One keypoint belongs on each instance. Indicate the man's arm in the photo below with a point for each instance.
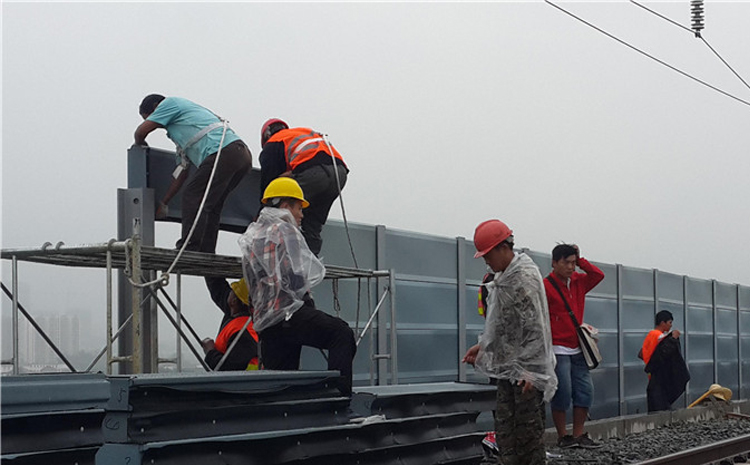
(143, 130)
(174, 188)
(272, 164)
(593, 274)
(219, 290)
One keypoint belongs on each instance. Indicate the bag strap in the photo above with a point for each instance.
(567, 306)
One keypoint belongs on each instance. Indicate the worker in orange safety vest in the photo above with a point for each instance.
(306, 156)
(233, 300)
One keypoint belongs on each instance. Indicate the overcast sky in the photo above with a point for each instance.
(446, 113)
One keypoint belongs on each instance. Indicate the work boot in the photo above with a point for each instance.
(566, 442)
(586, 442)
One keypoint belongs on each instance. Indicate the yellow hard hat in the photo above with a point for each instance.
(284, 187)
(241, 291)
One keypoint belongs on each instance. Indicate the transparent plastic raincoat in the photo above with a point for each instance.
(517, 343)
(278, 266)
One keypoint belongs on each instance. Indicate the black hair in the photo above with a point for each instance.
(149, 104)
(663, 316)
(562, 251)
(278, 201)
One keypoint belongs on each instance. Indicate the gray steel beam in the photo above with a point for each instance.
(135, 209)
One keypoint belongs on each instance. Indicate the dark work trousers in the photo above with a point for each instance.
(318, 183)
(655, 397)
(281, 344)
(519, 425)
(235, 161)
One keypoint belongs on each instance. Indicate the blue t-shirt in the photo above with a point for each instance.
(183, 119)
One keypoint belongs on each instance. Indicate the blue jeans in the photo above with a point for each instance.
(573, 383)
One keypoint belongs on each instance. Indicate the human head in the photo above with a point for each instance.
(269, 128)
(564, 259)
(239, 299)
(493, 240)
(286, 193)
(149, 104)
(663, 320)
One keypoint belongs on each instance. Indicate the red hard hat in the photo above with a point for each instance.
(489, 234)
(265, 131)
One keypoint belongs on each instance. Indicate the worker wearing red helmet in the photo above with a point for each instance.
(317, 166)
(515, 347)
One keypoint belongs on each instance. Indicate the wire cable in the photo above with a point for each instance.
(341, 199)
(700, 37)
(727, 94)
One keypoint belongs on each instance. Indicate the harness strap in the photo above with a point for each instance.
(182, 151)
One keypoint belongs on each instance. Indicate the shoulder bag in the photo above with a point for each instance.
(586, 338)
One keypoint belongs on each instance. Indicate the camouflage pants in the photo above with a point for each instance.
(519, 425)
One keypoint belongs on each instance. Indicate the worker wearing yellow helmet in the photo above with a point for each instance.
(281, 271)
(233, 300)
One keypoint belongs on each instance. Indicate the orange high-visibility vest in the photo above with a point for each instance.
(234, 326)
(301, 145)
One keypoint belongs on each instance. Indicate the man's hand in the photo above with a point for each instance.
(578, 253)
(162, 210)
(527, 386)
(143, 130)
(208, 345)
(471, 355)
(676, 333)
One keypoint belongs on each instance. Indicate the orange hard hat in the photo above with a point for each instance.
(265, 131)
(489, 234)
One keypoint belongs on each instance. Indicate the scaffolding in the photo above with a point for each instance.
(136, 261)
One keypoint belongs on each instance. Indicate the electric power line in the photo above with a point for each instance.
(649, 56)
(699, 36)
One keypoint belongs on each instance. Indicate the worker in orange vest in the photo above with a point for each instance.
(233, 300)
(306, 156)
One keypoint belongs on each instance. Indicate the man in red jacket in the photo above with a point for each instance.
(574, 381)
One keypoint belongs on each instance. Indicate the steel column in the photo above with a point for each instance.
(15, 315)
(687, 337)
(178, 310)
(382, 345)
(109, 313)
(461, 304)
(394, 328)
(739, 344)
(620, 341)
(135, 213)
(714, 316)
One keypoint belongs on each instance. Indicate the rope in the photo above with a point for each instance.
(163, 280)
(341, 199)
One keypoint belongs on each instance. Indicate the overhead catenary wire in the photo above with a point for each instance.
(699, 36)
(673, 68)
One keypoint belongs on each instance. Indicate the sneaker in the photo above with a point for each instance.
(566, 442)
(586, 442)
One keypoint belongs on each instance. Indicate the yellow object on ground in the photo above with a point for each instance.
(717, 391)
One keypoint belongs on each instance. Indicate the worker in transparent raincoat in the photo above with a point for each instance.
(515, 347)
(280, 271)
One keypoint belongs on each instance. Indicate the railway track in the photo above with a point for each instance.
(708, 454)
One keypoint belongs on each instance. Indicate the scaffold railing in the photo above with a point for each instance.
(134, 260)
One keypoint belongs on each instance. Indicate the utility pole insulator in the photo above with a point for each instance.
(696, 11)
